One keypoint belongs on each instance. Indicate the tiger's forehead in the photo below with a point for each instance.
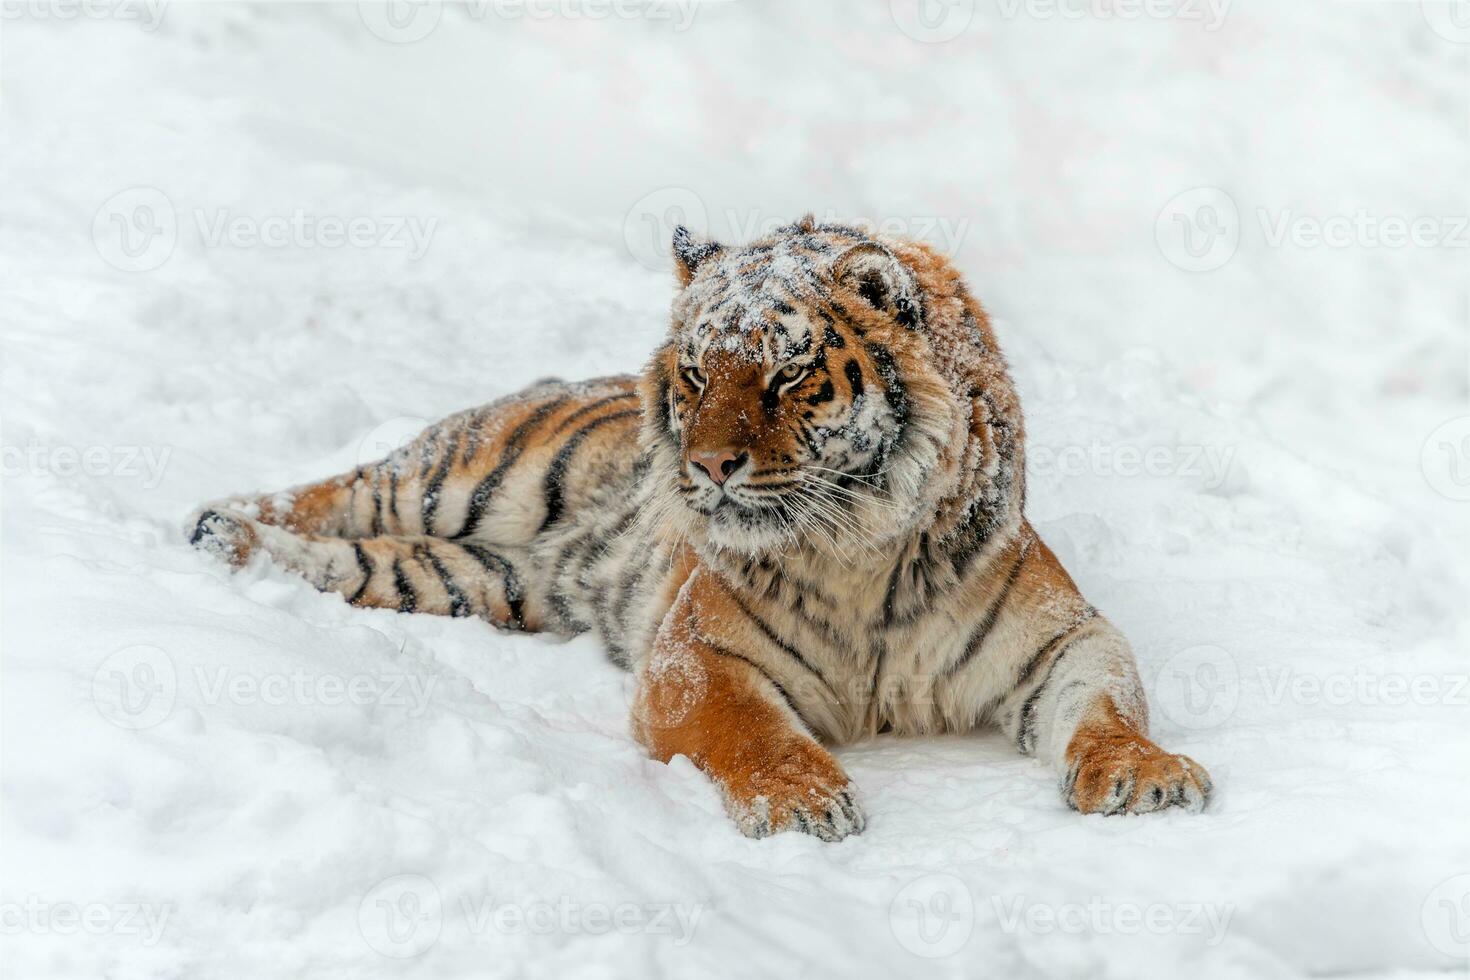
(763, 302)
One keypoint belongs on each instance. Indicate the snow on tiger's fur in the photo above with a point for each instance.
(802, 525)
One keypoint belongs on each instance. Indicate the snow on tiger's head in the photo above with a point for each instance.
(818, 389)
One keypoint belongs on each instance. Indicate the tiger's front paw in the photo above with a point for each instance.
(226, 535)
(804, 790)
(1130, 774)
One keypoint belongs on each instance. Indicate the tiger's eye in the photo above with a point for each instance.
(790, 371)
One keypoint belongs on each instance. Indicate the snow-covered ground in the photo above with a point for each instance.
(246, 246)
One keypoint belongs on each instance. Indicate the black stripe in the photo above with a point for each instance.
(894, 391)
(343, 518)
(509, 583)
(393, 496)
(854, 374)
(407, 598)
(587, 409)
(480, 498)
(458, 605)
(573, 560)
(987, 623)
(364, 565)
(554, 486)
(775, 487)
(987, 518)
(377, 524)
(661, 400)
(890, 594)
(433, 492)
(1028, 709)
(781, 644)
(727, 652)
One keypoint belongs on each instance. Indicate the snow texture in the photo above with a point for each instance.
(247, 246)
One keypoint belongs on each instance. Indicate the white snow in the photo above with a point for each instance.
(209, 774)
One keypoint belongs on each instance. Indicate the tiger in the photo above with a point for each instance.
(800, 527)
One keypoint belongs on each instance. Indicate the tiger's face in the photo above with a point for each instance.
(786, 409)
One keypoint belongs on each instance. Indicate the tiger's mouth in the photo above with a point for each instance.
(823, 507)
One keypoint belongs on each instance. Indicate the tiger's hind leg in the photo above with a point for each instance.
(414, 573)
(481, 475)
(397, 495)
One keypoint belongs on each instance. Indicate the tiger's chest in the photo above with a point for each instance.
(857, 653)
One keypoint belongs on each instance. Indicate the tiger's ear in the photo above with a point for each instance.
(689, 252)
(884, 283)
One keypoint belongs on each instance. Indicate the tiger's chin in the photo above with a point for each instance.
(750, 531)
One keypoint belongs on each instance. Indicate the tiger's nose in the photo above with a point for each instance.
(719, 466)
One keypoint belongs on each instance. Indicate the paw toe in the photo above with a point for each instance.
(824, 814)
(1153, 781)
(226, 536)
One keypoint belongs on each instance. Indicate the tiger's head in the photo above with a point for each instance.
(823, 389)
